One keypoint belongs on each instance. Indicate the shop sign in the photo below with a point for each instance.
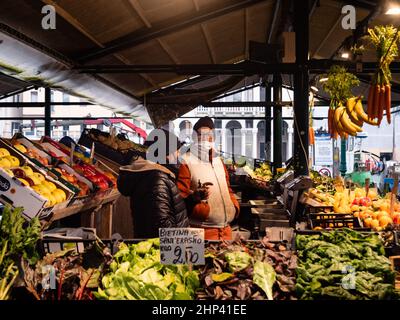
(323, 150)
(181, 246)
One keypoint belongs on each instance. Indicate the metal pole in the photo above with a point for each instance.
(343, 165)
(301, 78)
(47, 112)
(267, 89)
(277, 111)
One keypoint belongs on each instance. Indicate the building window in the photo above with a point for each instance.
(65, 97)
(218, 123)
(52, 108)
(65, 130)
(249, 124)
(17, 98)
(237, 97)
(34, 96)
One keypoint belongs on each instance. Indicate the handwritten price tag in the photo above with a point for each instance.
(181, 246)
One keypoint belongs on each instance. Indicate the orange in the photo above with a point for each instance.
(384, 221)
(384, 207)
(367, 222)
(356, 214)
(382, 214)
(374, 223)
(375, 214)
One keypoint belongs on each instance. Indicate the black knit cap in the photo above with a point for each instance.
(204, 122)
(169, 136)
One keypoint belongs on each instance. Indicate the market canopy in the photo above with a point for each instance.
(151, 33)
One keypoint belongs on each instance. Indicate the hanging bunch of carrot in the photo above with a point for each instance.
(385, 41)
(338, 86)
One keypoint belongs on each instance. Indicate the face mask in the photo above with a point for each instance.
(206, 145)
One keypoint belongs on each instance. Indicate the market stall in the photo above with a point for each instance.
(300, 235)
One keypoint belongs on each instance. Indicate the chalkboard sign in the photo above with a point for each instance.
(181, 246)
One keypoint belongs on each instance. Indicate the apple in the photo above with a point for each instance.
(39, 176)
(13, 160)
(396, 218)
(19, 173)
(4, 152)
(103, 185)
(30, 181)
(356, 202)
(5, 163)
(365, 202)
(28, 170)
(20, 147)
(24, 182)
(34, 179)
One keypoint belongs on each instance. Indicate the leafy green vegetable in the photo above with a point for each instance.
(339, 85)
(264, 276)
(237, 260)
(18, 239)
(343, 265)
(137, 274)
(221, 277)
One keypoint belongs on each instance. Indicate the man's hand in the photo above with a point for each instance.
(201, 194)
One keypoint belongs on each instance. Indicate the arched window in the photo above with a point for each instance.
(233, 137)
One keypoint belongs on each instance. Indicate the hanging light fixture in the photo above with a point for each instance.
(393, 8)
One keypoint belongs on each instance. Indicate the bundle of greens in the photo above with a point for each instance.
(343, 265)
(137, 274)
(66, 274)
(18, 240)
(323, 183)
(249, 270)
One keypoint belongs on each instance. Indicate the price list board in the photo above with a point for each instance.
(182, 246)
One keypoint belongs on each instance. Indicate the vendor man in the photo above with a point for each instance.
(212, 207)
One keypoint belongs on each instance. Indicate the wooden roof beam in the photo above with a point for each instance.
(166, 27)
(140, 12)
(322, 43)
(77, 25)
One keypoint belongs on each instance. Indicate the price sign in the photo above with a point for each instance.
(323, 150)
(181, 246)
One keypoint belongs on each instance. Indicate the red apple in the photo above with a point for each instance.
(356, 201)
(396, 218)
(365, 202)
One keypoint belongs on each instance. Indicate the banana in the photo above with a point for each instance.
(358, 108)
(351, 102)
(343, 126)
(354, 118)
(346, 122)
(341, 131)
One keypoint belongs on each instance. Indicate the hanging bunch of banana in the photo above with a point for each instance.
(349, 119)
(346, 114)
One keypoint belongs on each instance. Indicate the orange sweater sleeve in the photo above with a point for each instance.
(183, 181)
(231, 193)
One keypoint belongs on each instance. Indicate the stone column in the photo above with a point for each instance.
(254, 146)
(243, 137)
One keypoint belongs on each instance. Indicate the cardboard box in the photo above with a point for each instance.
(19, 195)
(15, 193)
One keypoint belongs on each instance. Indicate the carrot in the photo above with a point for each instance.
(375, 106)
(370, 101)
(311, 135)
(388, 102)
(330, 120)
(381, 104)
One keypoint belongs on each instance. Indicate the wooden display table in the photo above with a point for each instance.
(97, 213)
